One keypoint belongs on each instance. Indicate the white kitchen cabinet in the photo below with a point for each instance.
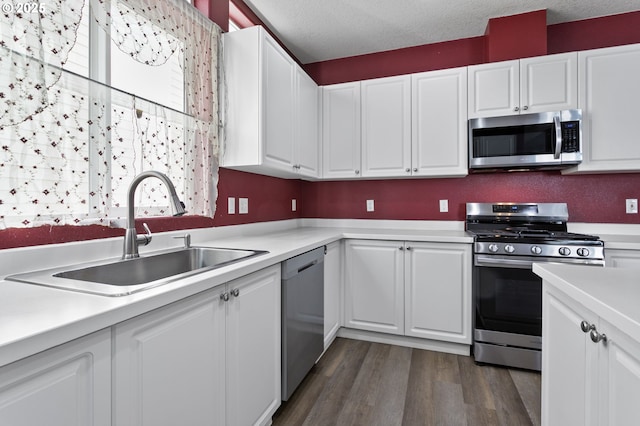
(374, 286)
(409, 289)
(439, 123)
(608, 96)
(332, 291)
(341, 131)
(539, 84)
(213, 358)
(253, 363)
(438, 291)
(272, 107)
(386, 126)
(69, 385)
(618, 258)
(584, 382)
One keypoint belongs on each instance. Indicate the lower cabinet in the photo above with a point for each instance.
(213, 358)
(332, 291)
(589, 377)
(619, 258)
(69, 385)
(409, 288)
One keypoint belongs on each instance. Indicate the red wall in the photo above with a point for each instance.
(590, 198)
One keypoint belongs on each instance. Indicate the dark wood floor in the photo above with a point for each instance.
(363, 383)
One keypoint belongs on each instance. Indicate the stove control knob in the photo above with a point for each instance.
(564, 251)
(536, 250)
(509, 248)
(493, 248)
(584, 252)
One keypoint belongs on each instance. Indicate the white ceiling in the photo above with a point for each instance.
(319, 30)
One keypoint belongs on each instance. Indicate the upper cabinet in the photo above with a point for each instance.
(544, 83)
(412, 125)
(386, 126)
(272, 112)
(341, 131)
(439, 123)
(609, 91)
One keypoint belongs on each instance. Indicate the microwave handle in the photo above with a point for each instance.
(556, 122)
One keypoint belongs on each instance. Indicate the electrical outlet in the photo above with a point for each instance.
(632, 205)
(243, 205)
(370, 206)
(231, 205)
(444, 206)
(294, 206)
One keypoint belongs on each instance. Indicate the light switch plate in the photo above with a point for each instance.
(294, 205)
(370, 206)
(444, 206)
(243, 205)
(231, 205)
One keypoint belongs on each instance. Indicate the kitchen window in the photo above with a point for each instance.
(137, 91)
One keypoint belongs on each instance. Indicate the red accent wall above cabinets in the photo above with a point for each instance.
(516, 36)
(590, 198)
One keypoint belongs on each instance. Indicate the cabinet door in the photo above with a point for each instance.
(438, 291)
(494, 89)
(306, 147)
(169, 365)
(374, 286)
(386, 126)
(439, 111)
(332, 291)
(549, 83)
(569, 364)
(69, 385)
(619, 387)
(279, 104)
(608, 96)
(253, 348)
(341, 130)
(623, 258)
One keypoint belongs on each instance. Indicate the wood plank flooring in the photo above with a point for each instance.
(368, 384)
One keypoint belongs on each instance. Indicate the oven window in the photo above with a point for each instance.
(508, 300)
(533, 139)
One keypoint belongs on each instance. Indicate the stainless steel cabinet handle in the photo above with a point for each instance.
(224, 297)
(235, 292)
(586, 327)
(597, 337)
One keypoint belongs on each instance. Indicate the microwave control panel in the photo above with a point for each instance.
(570, 136)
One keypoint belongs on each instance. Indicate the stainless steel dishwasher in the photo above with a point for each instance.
(302, 317)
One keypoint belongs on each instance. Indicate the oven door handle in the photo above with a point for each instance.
(502, 262)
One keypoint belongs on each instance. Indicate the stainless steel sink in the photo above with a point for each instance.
(122, 277)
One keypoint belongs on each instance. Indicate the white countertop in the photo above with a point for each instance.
(611, 293)
(34, 318)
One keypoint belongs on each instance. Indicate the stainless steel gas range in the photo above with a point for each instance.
(509, 238)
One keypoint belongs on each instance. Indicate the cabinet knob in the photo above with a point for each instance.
(408, 247)
(586, 327)
(415, 170)
(224, 297)
(408, 170)
(525, 107)
(357, 172)
(597, 337)
(516, 109)
(401, 248)
(235, 292)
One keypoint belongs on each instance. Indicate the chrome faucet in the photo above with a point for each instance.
(131, 239)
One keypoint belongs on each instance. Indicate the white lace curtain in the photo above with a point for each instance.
(69, 147)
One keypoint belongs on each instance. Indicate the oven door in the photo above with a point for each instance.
(508, 301)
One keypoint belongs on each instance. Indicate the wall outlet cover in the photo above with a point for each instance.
(243, 205)
(294, 205)
(632, 206)
(444, 206)
(370, 206)
(231, 205)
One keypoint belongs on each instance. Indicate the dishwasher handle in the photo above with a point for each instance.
(307, 266)
(298, 264)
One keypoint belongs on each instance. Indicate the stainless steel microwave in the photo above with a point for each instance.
(529, 141)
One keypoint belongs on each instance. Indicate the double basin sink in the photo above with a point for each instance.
(124, 277)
